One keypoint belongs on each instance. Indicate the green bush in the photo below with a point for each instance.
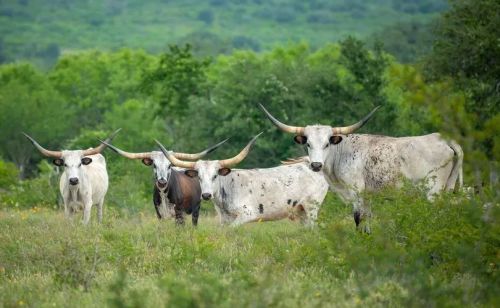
(9, 175)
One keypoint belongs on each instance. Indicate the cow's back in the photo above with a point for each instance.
(273, 190)
(383, 160)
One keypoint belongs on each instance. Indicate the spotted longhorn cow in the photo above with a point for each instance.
(353, 163)
(249, 195)
(174, 193)
(84, 181)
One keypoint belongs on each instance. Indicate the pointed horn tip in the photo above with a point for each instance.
(26, 135)
(257, 136)
(162, 148)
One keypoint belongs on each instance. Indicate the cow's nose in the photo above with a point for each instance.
(162, 182)
(206, 196)
(316, 166)
(73, 181)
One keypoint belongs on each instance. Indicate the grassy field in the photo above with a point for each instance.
(420, 254)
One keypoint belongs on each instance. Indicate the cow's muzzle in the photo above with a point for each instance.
(315, 166)
(206, 196)
(73, 181)
(162, 183)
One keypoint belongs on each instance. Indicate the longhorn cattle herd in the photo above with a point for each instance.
(347, 163)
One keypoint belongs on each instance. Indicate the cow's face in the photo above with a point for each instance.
(72, 161)
(162, 169)
(208, 173)
(318, 139)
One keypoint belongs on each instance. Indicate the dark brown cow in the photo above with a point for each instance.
(174, 193)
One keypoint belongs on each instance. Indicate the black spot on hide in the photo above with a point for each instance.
(289, 201)
(261, 208)
(295, 203)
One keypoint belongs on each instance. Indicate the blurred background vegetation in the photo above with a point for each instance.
(191, 73)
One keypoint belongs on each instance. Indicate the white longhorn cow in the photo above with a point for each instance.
(84, 181)
(243, 196)
(353, 163)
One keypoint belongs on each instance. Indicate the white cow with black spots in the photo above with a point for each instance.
(249, 195)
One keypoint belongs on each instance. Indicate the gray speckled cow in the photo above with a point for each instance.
(242, 196)
(353, 163)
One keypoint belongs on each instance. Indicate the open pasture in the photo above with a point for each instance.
(420, 254)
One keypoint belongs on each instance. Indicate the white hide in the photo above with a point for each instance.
(368, 163)
(287, 191)
(92, 183)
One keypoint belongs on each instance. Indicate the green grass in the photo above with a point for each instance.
(420, 254)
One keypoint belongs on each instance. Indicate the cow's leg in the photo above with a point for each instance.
(99, 210)
(179, 216)
(157, 201)
(362, 215)
(195, 214)
(244, 218)
(67, 209)
(311, 214)
(86, 212)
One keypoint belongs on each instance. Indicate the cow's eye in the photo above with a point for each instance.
(214, 177)
(327, 145)
(79, 165)
(308, 145)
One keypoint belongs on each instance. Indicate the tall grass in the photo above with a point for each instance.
(444, 253)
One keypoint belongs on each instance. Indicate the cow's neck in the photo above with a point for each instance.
(339, 158)
(222, 186)
(173, 188)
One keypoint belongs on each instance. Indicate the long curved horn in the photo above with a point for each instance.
(352, 128)
(187, 156)
(48, 153)
(127, 154)
(286, 128)
(173, 159)
(101, 146)
(238, 158)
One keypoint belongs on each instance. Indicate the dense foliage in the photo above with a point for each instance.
(42, 30)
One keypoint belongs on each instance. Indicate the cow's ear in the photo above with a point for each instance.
(335, 139)
(300, 139)
(191, 173)
(58, 162)
(86, 160)
(147, 161)
(224, 171)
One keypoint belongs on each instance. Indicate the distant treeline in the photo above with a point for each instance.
(42, 30)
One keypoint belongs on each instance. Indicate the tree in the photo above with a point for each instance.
(29, 103)
(178, 77)
(466, 53)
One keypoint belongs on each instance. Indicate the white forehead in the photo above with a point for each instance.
(159, 159)
(72, 157)
(207, 165)
(318, 133)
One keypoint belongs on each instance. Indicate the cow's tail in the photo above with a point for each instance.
(456, 171)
